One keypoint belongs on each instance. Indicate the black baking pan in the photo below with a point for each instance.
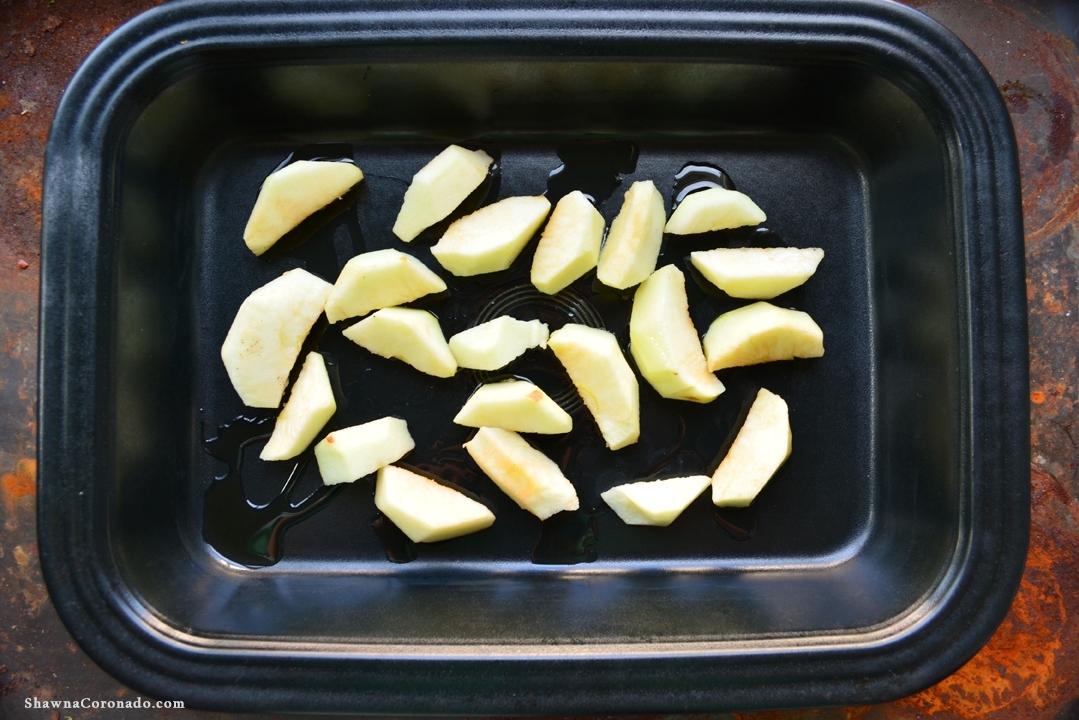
(879, 560)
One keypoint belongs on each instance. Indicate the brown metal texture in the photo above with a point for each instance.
(1029, 669)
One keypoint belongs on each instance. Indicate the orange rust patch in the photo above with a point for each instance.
(1052, 304)
(23, 481)
(535, 395)
(1020, 659)
(20, 556)
(329, 439)
(1037, 397)
(1039, 80)
(31, 186)
(1028, 669)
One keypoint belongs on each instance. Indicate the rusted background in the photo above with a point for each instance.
(1030, 668)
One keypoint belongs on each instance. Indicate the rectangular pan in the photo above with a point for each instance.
(878, 561)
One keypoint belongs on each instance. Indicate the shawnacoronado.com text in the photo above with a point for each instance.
(88, 704)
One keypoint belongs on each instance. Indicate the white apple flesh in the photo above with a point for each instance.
(664, 342)
(761, 447)
(309, 407)
(494, 344)
(528, 476)
(569, 246)
(425, 510)
(514, 405)
(491, 238)
(632, 248)
(757, 273)
(655, 502)
(292, 194)
(410, 335)
(714, 209)
(355, 452)
(438, 188)
(266, 335)
(379, 279)
(761, 333)
(603, 379)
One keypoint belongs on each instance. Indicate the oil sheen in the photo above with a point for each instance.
(676, 437)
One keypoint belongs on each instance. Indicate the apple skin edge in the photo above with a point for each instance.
(267, 334)
(426, 511)
(761, 447)
(664, 342)
(516, 405)
(604, 380)
(528, 476)
(292, 194)
(438, 188)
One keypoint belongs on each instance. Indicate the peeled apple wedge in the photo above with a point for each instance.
(655, 502)
(569, 246)
(632, 248)
(714, 209)
(491, 238)
(760, 333)
(379, 279)
(496, 343)
(514, 405)
(664, 342)
(424, 510)
(760, 448)
(354, 452)
(310, 406)
(528, 476)
(438, 188)
(406, 334)
(757, 273)
(293, 193)
(604, 380)
(265, 337)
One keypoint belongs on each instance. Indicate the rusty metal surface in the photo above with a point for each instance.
(1029, 669)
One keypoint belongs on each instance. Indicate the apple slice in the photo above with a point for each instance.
(528, 476)
(310, 406)
(762, 445)
(664, 342)
(757, 273)
(293, 193)
(604, 380)
(496, 343)
(632, 248)
(379, 279)
(760, 333)
(438, 188)
(491, 238)
(265, 337)
(569, 246)
(406, 334)
(714, 209)
(426, 511)
(515, 405)
(655, 502)
(354, 452)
